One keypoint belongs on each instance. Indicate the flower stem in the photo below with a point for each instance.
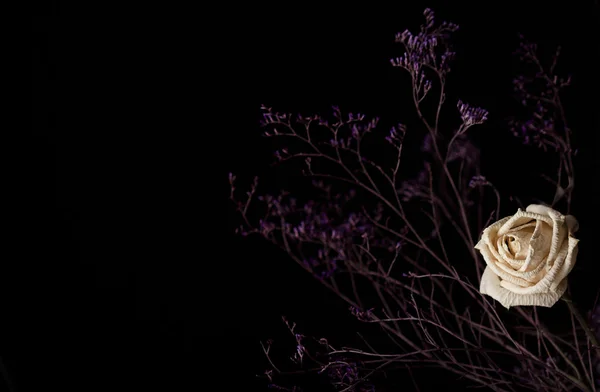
(584, 324)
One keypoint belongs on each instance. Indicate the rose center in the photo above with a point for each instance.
(517, 243)
(514, 246)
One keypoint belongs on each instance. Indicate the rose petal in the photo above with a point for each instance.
(539, 209)
(539, 241)
(568, 264)
(520, 218)
(490, 285)
(544, 284)
(559, 234)
(491, 231)
(488, 238)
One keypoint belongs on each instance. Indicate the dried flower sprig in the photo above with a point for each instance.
(400, 251)
(546, 127)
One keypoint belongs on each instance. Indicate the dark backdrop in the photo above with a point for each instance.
(136, 281)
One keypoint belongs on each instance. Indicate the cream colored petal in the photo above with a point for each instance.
(521, 218)
(489, 235)
(515, 220)
(495, 261)
(538, 246)
(504, 251)
(530, 225)
(488, 256)
(497, 267)
(519, 241)
(568, 264)
(491, 231)
(540, 209)
(558, 225)
(480, 244)
(544, 284)
(514, 245)
(559, 234)
(508, 275)
(490, 285)
(492, 248)
(531, 277)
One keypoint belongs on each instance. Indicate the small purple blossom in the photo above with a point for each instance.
(396, 135)
(478, 181)
(426, 48)
(471, 115)
(366, 315)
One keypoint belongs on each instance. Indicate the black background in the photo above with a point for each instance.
(137, 281)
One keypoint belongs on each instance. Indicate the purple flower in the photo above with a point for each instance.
(471, 115)
(478, 181)
(428, 47)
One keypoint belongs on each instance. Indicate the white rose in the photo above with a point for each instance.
(528, 257)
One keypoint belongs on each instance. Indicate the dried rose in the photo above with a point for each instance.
(528, 256)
